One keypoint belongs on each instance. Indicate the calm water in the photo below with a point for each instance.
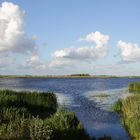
(79, 95)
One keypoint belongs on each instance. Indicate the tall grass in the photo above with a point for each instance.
(22, 114)
(35, 116)
(130, 110)
(134, 87)
(117, 107)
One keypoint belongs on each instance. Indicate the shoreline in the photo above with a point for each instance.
(66, 76)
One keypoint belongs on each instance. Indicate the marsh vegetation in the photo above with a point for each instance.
(35, 116)
(130, 111)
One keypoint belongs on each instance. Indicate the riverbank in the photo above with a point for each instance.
(130, 111)
(67, 76)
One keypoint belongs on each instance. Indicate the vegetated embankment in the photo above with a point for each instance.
(129, 108)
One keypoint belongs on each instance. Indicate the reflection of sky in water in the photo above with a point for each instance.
(63, 100)
(102, 121)
(105, 99)
(104, 128)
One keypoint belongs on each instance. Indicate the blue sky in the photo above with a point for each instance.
(75, 36)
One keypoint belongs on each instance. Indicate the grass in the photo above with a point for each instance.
(134, 87)
(37, 104)
(35, 116)
(130, 110)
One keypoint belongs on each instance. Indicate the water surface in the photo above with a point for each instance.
(79, 95)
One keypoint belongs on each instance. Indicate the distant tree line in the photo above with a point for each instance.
(80, 75)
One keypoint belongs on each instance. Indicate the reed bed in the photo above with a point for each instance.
(134, 87)
(130, 111)
(35, 116)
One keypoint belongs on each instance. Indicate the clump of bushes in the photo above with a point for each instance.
(35, 116)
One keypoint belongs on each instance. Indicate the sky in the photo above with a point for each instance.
(59, 37)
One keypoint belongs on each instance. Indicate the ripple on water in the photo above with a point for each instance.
(100, 120)
(105, 99)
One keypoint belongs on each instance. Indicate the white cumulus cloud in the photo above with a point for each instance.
(81, 53)
(15, 44)
(86, 53)
(97, 37)
(12, 35)
(130, 52)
